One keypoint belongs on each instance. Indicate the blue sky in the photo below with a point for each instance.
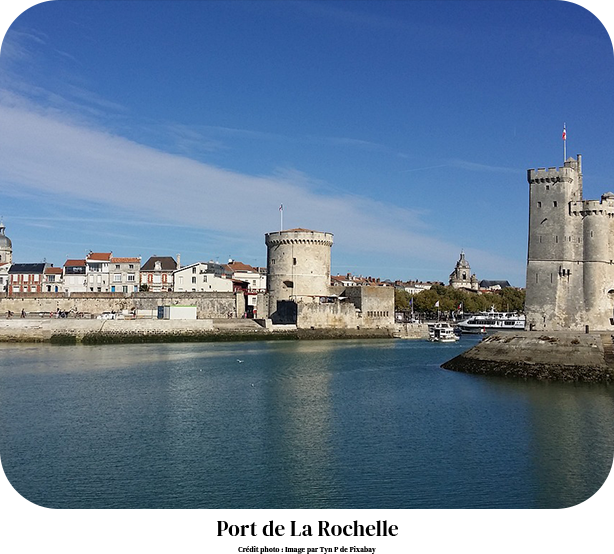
(403, 128)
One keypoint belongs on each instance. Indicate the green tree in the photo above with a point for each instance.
(401, 300)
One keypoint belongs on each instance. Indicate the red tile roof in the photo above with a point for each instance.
(104, 256)
(73, 263)
(54, 270)
(125, 260)
(240, 266)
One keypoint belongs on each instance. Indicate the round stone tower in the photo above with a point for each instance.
(298, 266)
(6, 247)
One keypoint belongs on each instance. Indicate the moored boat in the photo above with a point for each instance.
(442, 332)
(492, 321)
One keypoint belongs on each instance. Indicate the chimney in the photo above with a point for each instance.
(178, 261)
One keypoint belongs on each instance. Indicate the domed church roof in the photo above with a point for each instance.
(5, 242)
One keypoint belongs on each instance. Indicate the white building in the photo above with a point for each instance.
(157, 273)
(200, 277)
(74, 276)
(414, 287)
(4, 276)
(253, 276)
(124, 274)
(97, 271)
(53, 280)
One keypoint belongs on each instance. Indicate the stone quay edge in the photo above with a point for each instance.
(95, 331)
(542, 355)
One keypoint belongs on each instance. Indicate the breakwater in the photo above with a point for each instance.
(558, 356)
(95, 331)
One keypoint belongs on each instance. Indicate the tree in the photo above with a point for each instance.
(401, 300)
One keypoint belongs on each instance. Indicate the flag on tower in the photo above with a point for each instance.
(564, 133)
(281, 207)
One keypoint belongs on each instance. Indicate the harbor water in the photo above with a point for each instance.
(293, 424)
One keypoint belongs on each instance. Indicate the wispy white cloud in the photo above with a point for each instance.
(70, 144)
(468, 166)
(473, 166)
(84, 164)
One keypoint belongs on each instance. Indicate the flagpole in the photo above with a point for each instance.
(564, 143)
(281, 217)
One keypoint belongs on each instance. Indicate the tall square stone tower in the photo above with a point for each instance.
(570, 270)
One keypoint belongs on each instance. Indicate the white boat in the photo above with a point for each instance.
(492, 321)
(442, 332)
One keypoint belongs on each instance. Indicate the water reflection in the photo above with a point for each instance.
(317, 424)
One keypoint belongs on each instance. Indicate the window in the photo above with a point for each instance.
(193, 280)
(125, 288)
(539, 204)
(194, 270)
(555, 203)
(293, 261)
(204, 278)
(50, 278)
(117, 277)
(131, 277)
(131, 266)
(116, 266)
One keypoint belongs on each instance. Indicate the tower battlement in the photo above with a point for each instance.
(592, 207)
(564, 174)
(299, 236)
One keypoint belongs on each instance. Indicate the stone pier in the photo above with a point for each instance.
(546, 355)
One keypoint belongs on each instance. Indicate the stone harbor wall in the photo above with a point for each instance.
(547, 355)
(208, 304)
(98, 331)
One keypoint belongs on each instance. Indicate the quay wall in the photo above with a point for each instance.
(411, 331)
(208, 304)
(97, 331)
(544, 355)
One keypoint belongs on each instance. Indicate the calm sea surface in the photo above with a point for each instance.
(297, 424)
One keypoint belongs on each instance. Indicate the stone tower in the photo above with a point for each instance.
(461, 277)
(6, 247)
(298, 266)
(570, 268)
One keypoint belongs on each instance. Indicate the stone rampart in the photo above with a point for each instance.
(208, 304)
